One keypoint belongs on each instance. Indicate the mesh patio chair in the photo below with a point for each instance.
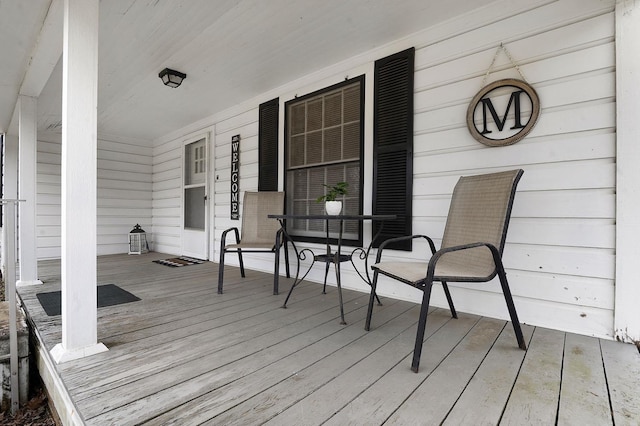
(259, 233)
(471, 250)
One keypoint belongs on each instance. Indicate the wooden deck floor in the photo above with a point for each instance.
(188, 356)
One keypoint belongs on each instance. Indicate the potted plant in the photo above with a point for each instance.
(331, 205)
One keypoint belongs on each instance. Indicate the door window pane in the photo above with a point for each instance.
(194, 208)
(195, 163)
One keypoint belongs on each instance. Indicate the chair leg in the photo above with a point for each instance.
(372, 298)
(510, 306)
(276, 272)
(241, 262)
(221, 270)
(454, 314)
(422, 325)
(286, 258)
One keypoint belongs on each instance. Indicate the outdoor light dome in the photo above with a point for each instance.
(171, 77)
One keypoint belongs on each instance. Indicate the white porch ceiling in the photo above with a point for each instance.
(231, 51)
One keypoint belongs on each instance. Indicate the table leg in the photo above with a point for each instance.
(337, 266)
(364, 255)
(300, 255)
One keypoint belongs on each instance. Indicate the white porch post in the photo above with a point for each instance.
(27, 159)
(627, 296)
(79, 181)
(10, 177)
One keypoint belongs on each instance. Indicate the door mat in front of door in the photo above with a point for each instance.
(108, 295)
(179, 261)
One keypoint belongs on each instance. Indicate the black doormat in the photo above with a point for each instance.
(174, 262)
(108, 295)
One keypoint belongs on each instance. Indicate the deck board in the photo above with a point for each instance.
(483, 400)
(384, 397)
(284, 362)
(534, 398)
(583, 397)
(194, 359)
(623, 378)
(187, 355)
(445, 384)
(310, 394)
(225, 344)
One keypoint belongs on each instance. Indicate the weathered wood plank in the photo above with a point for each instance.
(486, 395)
(195, 356)
(213, 392)
(162, 354)
(318, 382)
(534, 398)
(622, 367)
(319, 406)
(185, 355)
(583, 398)
(443, 387)
(382, 398)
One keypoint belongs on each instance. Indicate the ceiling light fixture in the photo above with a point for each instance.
(171, 77)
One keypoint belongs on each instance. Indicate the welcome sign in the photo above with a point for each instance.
(235, 177)
(503, 112)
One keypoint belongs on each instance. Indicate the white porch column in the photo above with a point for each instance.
(10, 178)
(627, 296)
(79, 181)
(27, 159)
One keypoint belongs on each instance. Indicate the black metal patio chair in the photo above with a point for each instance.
(258, 234)
(471, 249)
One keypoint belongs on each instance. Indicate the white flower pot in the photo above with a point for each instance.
(333, 207)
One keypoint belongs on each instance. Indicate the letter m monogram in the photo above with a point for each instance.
(488, 105)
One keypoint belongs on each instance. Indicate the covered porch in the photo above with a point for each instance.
(185, 355)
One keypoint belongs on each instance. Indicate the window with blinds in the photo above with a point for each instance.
(324, 140)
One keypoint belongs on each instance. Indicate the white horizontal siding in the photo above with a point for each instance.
(167, 197)
(560, 252)
(124, 195)
(245, 125)
(560, 246)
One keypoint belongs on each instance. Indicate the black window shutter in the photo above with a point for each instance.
(268, 146)
(393, 145)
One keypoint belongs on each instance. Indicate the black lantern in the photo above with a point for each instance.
(171, 77)
(138, 241)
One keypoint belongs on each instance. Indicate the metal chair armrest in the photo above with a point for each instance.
(223, 239)
(405, 238)
(437, 255)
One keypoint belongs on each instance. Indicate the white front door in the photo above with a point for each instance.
(194, 200)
